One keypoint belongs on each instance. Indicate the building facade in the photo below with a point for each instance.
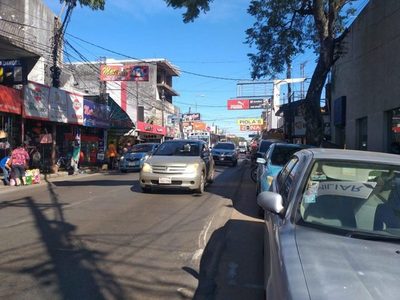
(365, 108)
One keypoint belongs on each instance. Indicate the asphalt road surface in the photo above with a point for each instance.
(98, 237)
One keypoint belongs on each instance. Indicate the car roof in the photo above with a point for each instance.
(355, 155)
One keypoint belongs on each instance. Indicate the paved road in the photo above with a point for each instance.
(98, 237)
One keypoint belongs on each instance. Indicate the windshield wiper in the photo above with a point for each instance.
(372, 236)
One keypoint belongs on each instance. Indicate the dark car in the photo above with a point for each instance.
(225, 153)
(332, 226)
(134, 159)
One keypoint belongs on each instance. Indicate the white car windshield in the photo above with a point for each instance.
(354, 196)
(178, 148)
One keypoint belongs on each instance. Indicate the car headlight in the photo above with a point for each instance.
(122, 158)
(147, 168)
(192, 168)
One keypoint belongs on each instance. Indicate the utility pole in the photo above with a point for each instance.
(162, 109)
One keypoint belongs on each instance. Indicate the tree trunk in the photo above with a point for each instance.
(312, 113)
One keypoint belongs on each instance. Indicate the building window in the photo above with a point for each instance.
(362, 133)
(394, 135)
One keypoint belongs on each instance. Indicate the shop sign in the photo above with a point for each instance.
(251, 127)
(124, 73)
(58, 107)
(150, 128)
(200, 126)
(251, 121)
(238, 104)
(36, 101)
(75, 108)
(11, 71)
(10, 100)
(95, 114)
(191, 117)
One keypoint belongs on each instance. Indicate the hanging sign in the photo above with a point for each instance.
(58, 107)
(124, 73)
(36, 101)
(75, 108)
(10, 100)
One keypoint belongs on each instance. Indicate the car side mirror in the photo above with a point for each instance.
(261, 160)
(271, 202)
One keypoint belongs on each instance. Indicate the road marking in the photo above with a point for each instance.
(202, 240)
(197, 254)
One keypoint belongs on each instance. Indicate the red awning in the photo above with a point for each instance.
(150, 128)
(10, 100)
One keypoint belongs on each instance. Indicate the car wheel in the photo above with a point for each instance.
(211, 176)
(200, 189)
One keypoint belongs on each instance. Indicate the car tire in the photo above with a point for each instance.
(200, 189)
(211, 176)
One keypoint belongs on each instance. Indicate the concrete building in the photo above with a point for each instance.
(365, 86)
(147, 100)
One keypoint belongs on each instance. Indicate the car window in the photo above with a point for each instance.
(354, 196)
(286, 178)
(178, 148)
(225, 146)
(142, 148)
(264, 146)
(281, 154)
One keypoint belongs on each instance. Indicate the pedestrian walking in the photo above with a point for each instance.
(5, 165)
(112, 154)
(19, 161)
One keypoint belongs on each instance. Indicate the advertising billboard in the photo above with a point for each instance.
(10, 100)
(58, 107)
(238, 104)
(124, 73)
(36, 101)
(251, 127)
(95, 114)
(251, 121)
(191, 117)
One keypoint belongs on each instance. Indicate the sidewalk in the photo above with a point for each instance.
(59, 174)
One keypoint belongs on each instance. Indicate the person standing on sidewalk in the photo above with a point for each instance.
(5, 166)
(19, 161)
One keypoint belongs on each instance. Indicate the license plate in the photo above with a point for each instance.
(165, 180)
(132, 164)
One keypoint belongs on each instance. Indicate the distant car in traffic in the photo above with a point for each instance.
(332, 226)
(134, 159)
(225, 153)
(273, 161)
(179, 164)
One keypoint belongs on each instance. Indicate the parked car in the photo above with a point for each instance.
(182, 164)
(332, 226)
(225, 153)
(273, 161)
(134, 159)
(263, 147)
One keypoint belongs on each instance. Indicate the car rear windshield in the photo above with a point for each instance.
(227, 146)
(351, 195)
(282, 154)
(264, 146)
(141, 148)
(178, 148)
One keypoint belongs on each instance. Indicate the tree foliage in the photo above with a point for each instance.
(93, 4)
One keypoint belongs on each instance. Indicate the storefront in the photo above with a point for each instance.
(150, 133)
(10, 118)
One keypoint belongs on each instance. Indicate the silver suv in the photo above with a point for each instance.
(183, 164)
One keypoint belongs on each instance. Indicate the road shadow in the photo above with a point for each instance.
(68, 268)
(231, 266)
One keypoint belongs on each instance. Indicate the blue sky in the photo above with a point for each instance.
(212, 45)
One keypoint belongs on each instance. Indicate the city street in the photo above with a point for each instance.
(98, 237)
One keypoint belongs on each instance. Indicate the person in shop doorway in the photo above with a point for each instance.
(112, 154)
(19, 162)
(5, 165)
(76, 149)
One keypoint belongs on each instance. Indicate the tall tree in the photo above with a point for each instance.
(285, 28)
(93, 4)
